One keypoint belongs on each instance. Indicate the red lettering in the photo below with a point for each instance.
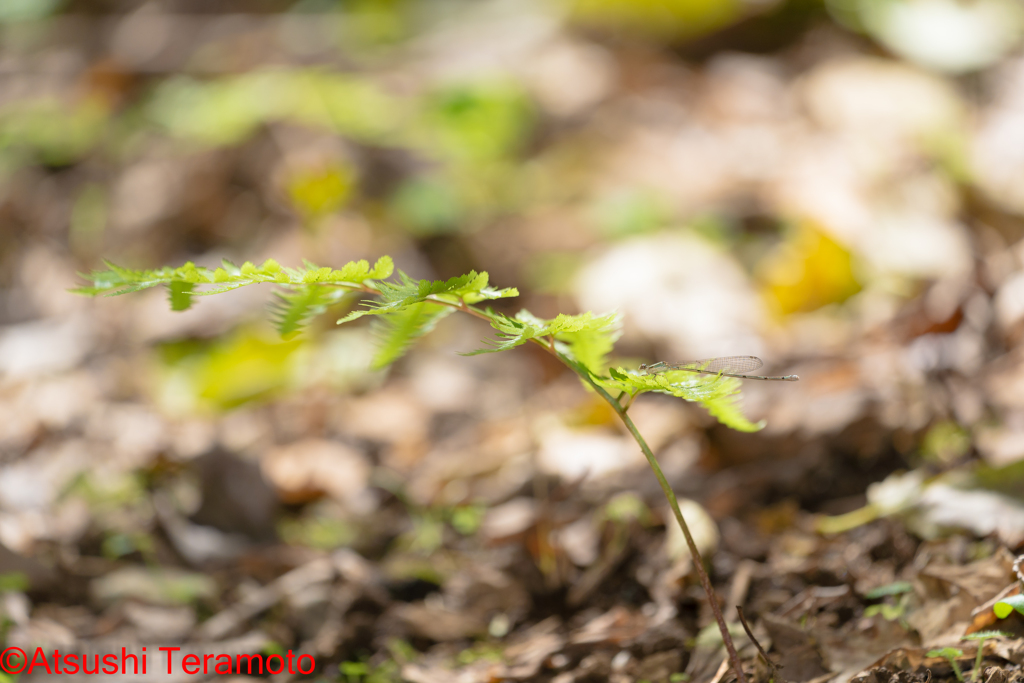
(143, 659)
(226, 664)
(248, 661)
(111, 661)
(85, 664)
(56, 662)
(124, 661)
(72, 662)
(280, 658)
(41, 656)
(185, 664)
(290, 662)
(206, 658)
(170, 656)
(312, 664)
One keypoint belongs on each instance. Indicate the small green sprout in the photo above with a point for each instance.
(981, 637)
(890, 612)
(950, 654)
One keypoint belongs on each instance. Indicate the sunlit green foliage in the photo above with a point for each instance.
(294, 309)
(404, 310)
(397, 331)
(720, 395)
(398, 296)
(587, 338)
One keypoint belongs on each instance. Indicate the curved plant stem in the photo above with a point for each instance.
(698, 561)
(620, 410)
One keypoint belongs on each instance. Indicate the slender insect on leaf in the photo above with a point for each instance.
(728, 366)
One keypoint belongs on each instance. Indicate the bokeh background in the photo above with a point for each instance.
(836, 186)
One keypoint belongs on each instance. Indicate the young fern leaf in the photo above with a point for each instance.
(411, 308)
(470, 288)
(292, 310)
(116, 280)
(398, 330)
(719, 395)
(586, 338)
(180, 294)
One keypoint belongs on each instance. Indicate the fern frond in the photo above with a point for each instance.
(292, 310)
(117, 280)
(594, 339)
(719, 395)
(396, 296)
(398, 330)
(180, 294)
(587, 338)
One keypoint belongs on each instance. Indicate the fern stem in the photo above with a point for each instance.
(628, 403)
(698, 561)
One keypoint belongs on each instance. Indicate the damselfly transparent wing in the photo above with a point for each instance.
(727, 366)
(739, 365)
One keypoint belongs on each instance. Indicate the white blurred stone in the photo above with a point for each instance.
(948, 35)
(568, 77)
(1009, 301)
(581, 541)
(509, 519)
(880, 98)
(571, 454)
(679, 290)
(44, 347)
(702, 527)
(997, 151)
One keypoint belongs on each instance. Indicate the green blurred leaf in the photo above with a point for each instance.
(477, 122)
(895, 588)
(945, 442)
(227, 372)
(427, 206)
(16, 11)
(318, 192)
(985, 635)
(668, 20)
(1004, 607)
(14, 581)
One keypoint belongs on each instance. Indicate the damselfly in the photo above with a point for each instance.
(729, 366)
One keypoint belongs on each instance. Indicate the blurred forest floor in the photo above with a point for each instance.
(837, 187)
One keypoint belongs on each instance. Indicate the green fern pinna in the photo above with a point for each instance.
(406, 309)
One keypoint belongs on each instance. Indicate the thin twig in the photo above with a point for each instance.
(760, 650)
